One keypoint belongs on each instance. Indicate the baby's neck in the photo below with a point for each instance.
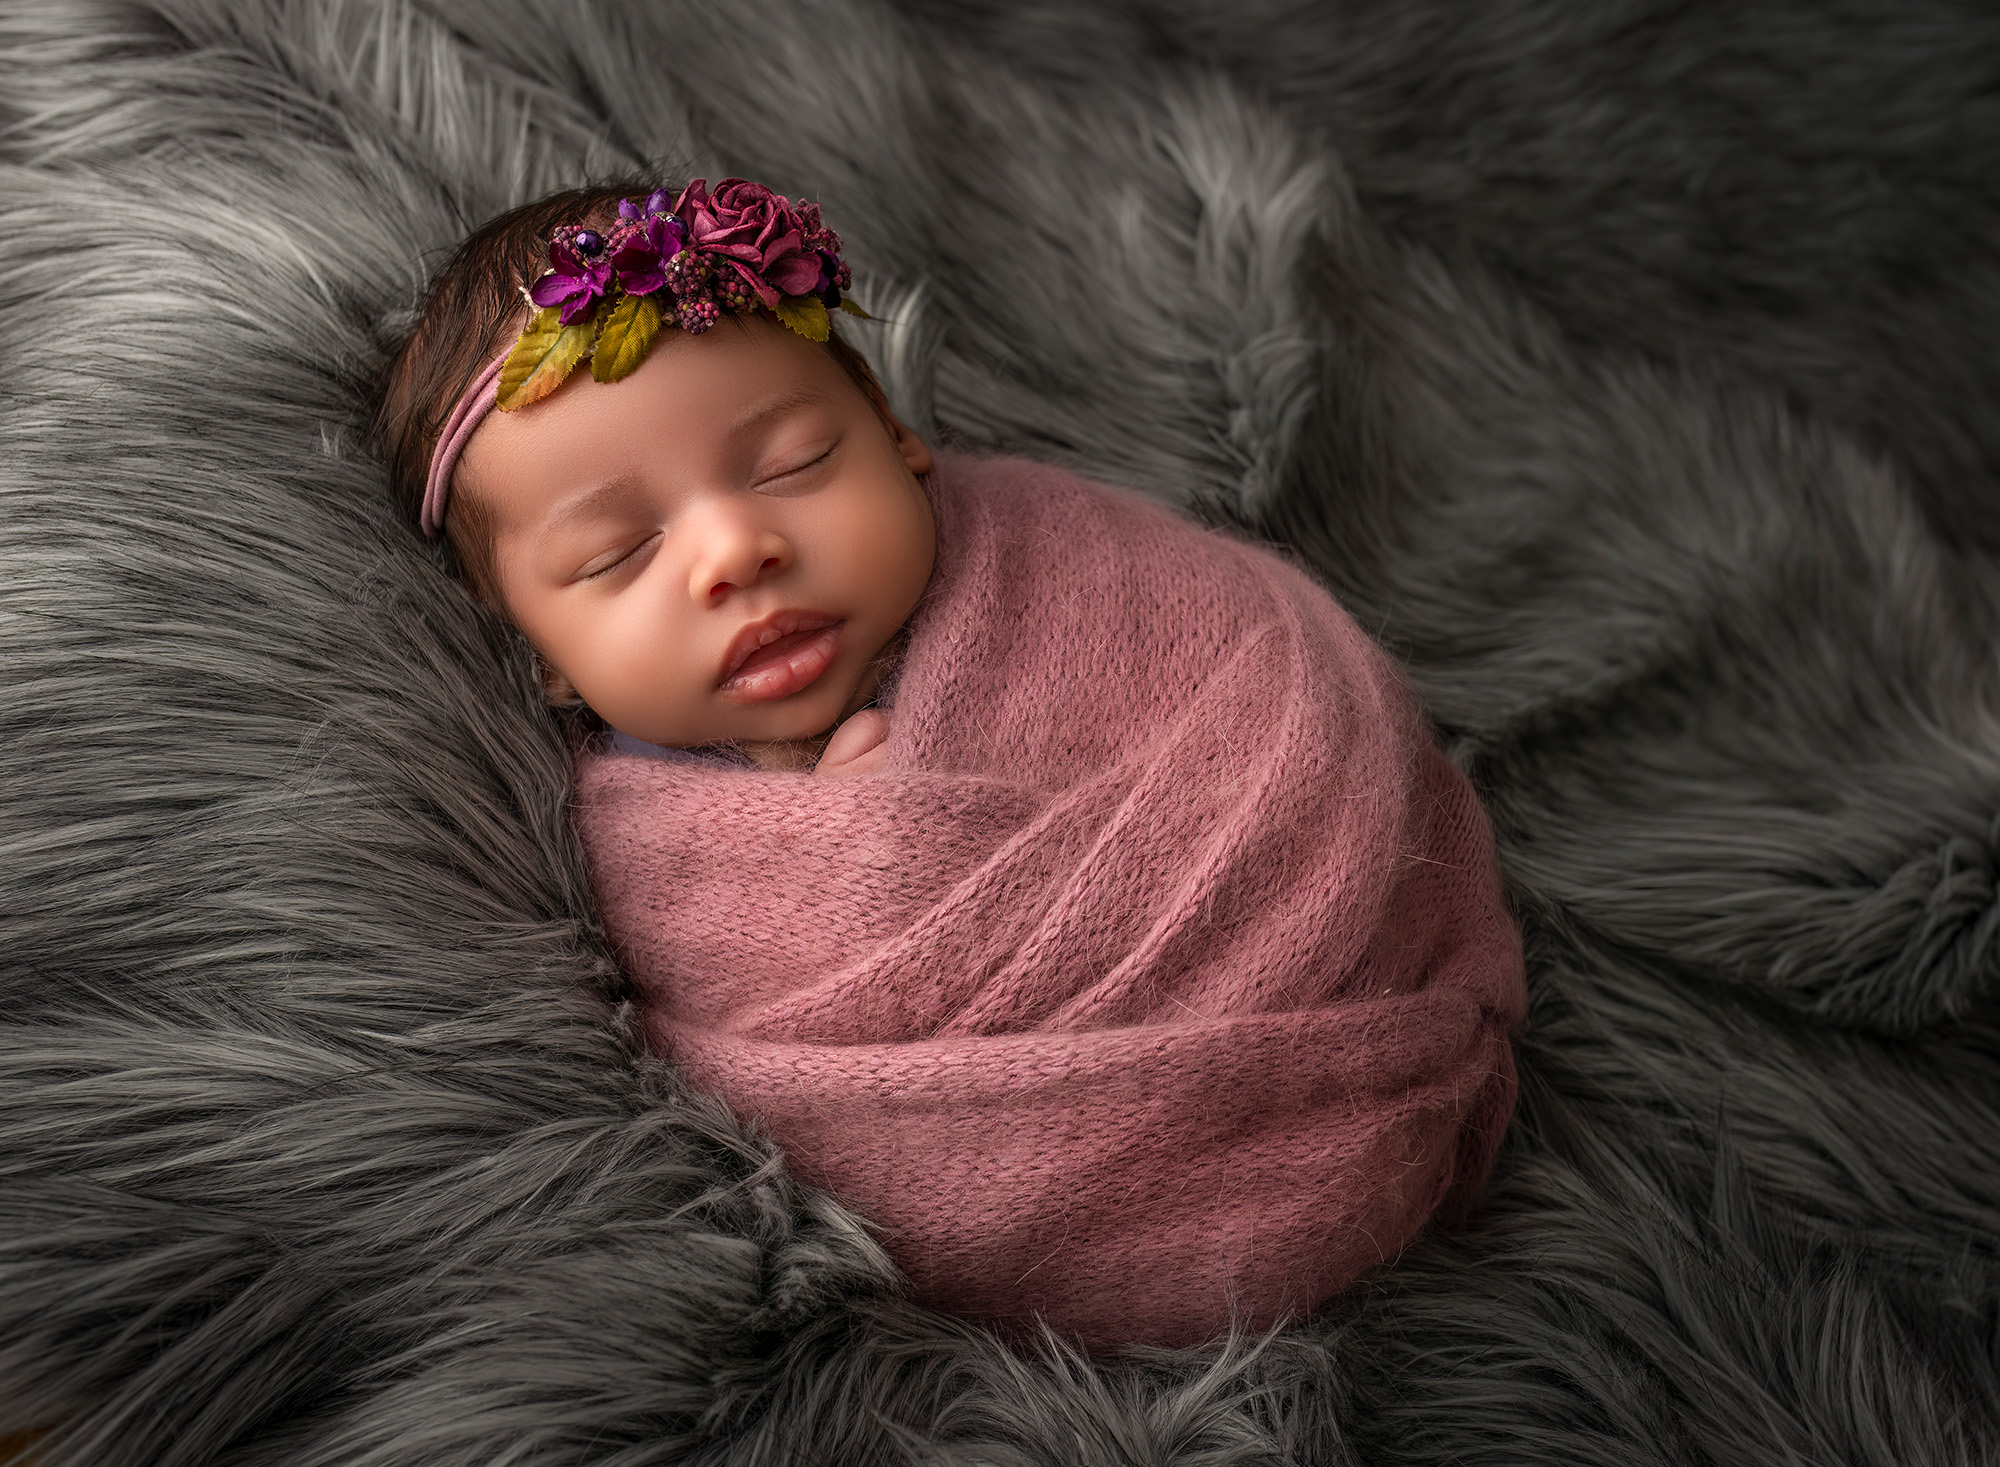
(788, 755)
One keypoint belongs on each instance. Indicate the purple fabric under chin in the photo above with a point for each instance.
(624, 744)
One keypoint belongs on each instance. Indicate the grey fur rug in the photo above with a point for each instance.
(322, 1137)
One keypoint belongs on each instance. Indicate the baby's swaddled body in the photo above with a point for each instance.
(1160, 967)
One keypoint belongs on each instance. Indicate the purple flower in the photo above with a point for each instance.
(659, 201)
(755, 227)
(639, 250)
(581, 273)
(832, 275)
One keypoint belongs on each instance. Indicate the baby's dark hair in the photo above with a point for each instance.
(473, 306)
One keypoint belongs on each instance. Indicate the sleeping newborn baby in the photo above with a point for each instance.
(1074, 891)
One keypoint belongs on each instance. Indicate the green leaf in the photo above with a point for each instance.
(625, 338)
(854, 310)
(547, 352)
(805, 314)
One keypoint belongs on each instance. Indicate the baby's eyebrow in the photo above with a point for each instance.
(797, 398)
(589, 502)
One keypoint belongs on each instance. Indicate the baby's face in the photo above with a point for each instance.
(649, 534)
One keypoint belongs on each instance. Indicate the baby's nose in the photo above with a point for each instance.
(722, 587)
(735, 550)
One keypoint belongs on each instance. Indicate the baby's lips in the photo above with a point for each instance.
(749, 639)
(788, 665)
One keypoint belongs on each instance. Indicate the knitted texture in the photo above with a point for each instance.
(1163, 970)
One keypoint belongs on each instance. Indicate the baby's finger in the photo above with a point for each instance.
(860, 738)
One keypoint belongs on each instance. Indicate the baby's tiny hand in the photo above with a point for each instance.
(858, 746)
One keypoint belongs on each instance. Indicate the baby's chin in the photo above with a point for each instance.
(814, 718)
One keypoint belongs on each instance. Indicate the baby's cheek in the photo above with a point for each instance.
(649, 673)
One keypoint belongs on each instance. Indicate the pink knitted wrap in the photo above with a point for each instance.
(1163, 968)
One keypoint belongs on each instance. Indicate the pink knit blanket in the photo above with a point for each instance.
(1161, 970)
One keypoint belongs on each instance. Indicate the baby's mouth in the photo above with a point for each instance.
(801, 647)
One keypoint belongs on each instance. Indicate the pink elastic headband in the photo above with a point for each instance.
(466, 416)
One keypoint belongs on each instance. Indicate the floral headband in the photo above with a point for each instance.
(607, 297)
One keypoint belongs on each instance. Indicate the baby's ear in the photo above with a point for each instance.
(916, 453)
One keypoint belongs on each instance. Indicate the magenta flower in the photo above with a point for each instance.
(834, 276)
(640, 248)
(755, 227)
(581, 273)
(814, 231)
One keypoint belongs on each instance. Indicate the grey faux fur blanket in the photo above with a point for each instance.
(1628, 371)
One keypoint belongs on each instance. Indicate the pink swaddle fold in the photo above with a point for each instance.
(1164, 967)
